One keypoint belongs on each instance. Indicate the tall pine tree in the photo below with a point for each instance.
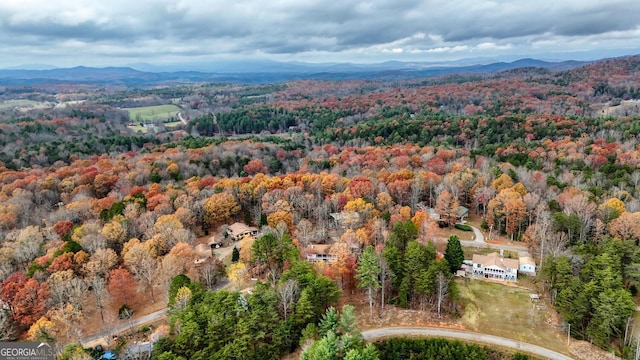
(454, 254)
(368, 272)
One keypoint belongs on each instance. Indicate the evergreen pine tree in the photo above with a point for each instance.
(235, 256)
(454, 254)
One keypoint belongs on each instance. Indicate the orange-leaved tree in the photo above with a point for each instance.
(220, 208)
(122, 286)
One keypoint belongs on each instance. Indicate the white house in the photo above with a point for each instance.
(495, 266)
(527, 265)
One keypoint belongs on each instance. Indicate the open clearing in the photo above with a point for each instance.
(507, 311)
(469, 251)
(151, 113)
(23, 104)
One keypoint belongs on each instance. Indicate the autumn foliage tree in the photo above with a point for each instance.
(626, 226)
(611, 209)
(220, 208)
(447, 207)
(506, 211)
(281, 217)
(121, 285)
(26, 298)
(255, 166)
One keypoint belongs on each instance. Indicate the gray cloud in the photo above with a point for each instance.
(161, 31)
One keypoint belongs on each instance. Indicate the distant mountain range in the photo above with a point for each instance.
(252, 72)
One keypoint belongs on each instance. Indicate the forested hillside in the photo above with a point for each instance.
(94, 206)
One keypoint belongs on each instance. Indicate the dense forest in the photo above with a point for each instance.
(438, 349)
(92, 211)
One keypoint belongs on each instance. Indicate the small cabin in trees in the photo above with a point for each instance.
(237, 231)
(462, 213)
(495, 266)
(318, 252)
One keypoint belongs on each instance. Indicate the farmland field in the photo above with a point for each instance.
(151, 113)
(21, 103)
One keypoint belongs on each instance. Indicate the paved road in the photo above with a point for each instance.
(98, 338)
(479, 242)
(464, 335)
(126, 324)
(181, 119)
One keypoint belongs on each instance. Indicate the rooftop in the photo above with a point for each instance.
(239, 228)
(495, 259)
(527, 260)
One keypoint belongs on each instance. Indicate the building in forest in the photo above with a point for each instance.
(237, 231)
(495, 266)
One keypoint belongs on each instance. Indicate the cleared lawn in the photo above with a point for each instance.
(138, 128)
(173, 123)
(446, 232)
(151, 113)
(507, 311)
(469, 251)
(20, 103)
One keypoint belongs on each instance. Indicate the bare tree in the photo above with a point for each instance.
(7, 265)
(7, 328)
(543, 238)
(27, 244)
(288, 295)
(147, 271)
(417, 190)
(442, 290)
(482, 196)
(211, 272)
(303, 231)
(635, 178)
(585, 209)
(531, 201)
(100, 293)
(66, 288)
(556, 244)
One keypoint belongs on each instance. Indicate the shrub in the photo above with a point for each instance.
(144, 329)
(125, 312)
(484, 225)
(463, 227)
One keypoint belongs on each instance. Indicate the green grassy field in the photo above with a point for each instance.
(151, 113)
(7, 104)
(138, 128)
(508, 312)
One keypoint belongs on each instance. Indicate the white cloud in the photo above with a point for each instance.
(492, 46)
(154, 31)
(448, 49)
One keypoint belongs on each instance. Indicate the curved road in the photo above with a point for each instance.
(181, 119)
(124, 325)
(479, 242)
(464, 335)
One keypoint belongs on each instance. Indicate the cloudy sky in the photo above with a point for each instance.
(117, 32)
